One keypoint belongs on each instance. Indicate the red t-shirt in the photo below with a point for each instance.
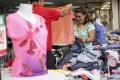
(49, 15)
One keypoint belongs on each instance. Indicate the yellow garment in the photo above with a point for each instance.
(61, 71)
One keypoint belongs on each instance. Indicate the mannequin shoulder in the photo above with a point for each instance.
(11, 17)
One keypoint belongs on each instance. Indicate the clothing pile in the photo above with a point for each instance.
(79, 57)
(113, 38)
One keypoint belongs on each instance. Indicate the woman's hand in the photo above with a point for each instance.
(83, 40)
(65, 67)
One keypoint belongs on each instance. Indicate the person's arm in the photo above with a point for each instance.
(65, 9)
(91, 36)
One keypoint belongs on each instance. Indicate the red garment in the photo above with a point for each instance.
(9, 63)
(84, 77)
(49, 14)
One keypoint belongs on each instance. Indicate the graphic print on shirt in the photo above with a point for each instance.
(29, 39)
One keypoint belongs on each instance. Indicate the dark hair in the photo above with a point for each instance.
(81, 10)
(34, 1)
(90, 17)
(59, 3)
(84, 12)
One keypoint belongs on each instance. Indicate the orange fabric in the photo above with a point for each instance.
(84, 77)
(62, 30)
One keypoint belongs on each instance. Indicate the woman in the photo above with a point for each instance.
(84, 29)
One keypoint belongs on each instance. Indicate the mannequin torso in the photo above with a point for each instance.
(28, 33)
(25, 11)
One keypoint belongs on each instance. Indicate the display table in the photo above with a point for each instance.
(50, 76)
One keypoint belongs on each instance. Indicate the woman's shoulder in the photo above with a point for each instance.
(90, 26)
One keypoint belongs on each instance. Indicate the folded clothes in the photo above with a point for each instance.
(113, 46)
(118, 33)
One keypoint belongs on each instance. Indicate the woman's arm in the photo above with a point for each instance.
(91, 36)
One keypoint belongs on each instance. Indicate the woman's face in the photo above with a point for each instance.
(80, 18)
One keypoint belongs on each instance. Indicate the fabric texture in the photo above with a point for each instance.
(78, 57)
(49, 14)
(29, 44)
(83, 33)
(62, 30)
(113, 46)
(113, 54)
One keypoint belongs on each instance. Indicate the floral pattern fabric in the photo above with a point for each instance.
(29, 44)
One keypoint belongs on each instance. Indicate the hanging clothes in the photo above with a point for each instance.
(29, 44)
(62, 30)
